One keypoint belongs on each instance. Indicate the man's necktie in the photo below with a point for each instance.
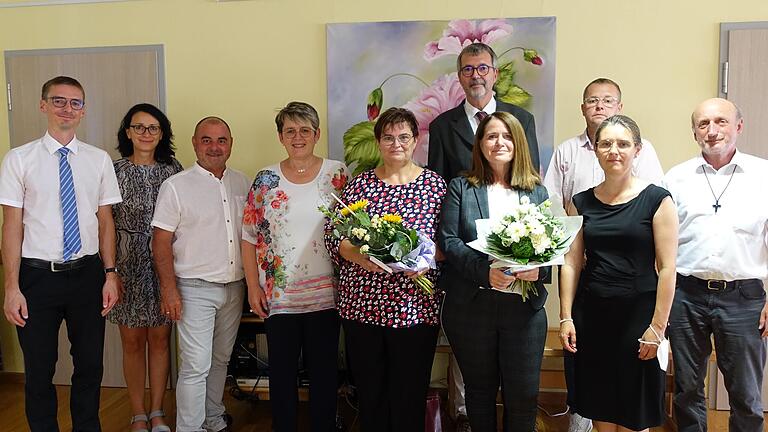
(72, 242)
(480, 115)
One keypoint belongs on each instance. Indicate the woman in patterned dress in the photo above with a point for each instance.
(390, 325)
(289, 273)
(145, 141)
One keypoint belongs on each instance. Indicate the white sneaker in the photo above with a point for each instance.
(578, 423)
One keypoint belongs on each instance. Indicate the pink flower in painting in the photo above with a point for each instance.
(445, 93)
(461, 33)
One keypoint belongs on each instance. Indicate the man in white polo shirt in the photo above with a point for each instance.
(196, 248)
(722, 260)
(58, 244)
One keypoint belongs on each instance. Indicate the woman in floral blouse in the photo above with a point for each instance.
(390, 325)
(288, 271)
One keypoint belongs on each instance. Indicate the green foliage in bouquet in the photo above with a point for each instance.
(382, 237)
(529, 233)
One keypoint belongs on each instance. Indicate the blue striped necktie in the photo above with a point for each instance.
(72, 242)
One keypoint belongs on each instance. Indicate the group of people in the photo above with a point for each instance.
(147, 243)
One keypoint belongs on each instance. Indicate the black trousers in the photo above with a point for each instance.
(391, 368)
(316, 335)
(498, 340)
(74, 296)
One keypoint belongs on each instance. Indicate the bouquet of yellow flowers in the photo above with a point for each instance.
(387, 242)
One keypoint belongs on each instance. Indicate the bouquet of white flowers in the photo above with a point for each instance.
(530, 237)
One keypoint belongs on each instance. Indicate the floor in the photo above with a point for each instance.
(249, 416)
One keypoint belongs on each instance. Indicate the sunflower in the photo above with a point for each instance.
(355, 206)
(393, 218)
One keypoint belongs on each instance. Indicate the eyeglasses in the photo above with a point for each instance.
(607, 144)
(304, 132)
(608, 101)
(389, 140)
(469, 70)
(140, 129)
(61, 102)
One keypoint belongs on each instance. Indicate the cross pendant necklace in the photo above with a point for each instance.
(717, 204)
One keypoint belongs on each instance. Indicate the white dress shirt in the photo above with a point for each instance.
(205, 214)
(732, 243)
(29, 179)
(574, 168)
(470, 110)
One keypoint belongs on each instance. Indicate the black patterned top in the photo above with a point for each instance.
(139, 185)
(390, 300)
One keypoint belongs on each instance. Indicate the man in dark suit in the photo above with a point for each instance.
(452, 133)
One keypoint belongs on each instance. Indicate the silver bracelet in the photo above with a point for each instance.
(566, 320)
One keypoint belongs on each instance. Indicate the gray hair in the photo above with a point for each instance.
(475, 49)
(297, 111)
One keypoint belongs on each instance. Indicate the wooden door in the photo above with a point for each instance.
(744, 81)
(114, 79)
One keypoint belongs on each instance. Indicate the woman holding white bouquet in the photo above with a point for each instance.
(496, 335)
(390, 323)
(618, 301)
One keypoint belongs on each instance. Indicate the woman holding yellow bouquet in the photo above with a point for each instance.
(496, 335)
(390, 323)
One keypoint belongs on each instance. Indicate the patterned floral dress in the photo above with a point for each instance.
(282, 220)
(390, 300)
(139, 185)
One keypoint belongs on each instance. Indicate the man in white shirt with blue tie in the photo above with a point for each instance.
(58, 253)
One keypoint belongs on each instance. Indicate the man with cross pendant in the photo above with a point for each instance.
(58, 253)
(722, 261)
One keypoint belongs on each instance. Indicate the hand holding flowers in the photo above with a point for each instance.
(382, 242)
(528, 238)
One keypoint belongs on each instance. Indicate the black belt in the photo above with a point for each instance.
(59, 266)
(716, 284)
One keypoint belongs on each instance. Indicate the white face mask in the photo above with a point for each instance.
(662, 354)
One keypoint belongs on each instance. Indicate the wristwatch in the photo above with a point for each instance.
(111, 270)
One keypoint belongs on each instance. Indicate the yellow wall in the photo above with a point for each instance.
(243, 59)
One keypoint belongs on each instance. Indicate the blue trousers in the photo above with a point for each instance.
(732, 315)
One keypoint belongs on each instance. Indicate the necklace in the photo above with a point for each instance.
(717, 205)
(301, 170)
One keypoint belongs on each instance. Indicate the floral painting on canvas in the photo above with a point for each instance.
(374, 66)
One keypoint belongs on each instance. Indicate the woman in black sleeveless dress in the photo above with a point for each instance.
(615, 301)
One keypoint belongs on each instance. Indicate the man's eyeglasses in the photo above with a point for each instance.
(389, 140)
(304, 132)
(140, 129)
(469, 70)
(607, 144)
(61, 102)
(608, 101)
